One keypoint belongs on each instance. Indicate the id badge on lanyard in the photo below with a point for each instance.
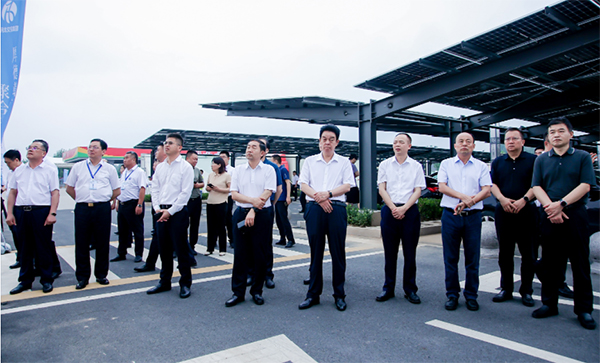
(93, 185)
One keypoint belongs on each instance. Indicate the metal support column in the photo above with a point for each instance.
(494, 143)
(232, 159)
(298, 157)
(367, 153)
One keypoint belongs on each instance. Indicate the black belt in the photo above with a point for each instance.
(29, 208)
(92, 204)
(195, 198)
(131, 201)
(464, 213)
(333, 202)
(165, 206)
(399, 204)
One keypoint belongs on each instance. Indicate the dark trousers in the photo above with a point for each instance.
(569, 239)
(36, 243)
(302, 201)
(283, 222)
(195, 210)
(129, 222)
(333, 225)
(228, 220)
(172, 234)
(393, 230)
(516, 229)
(269, 238)
(294, 192)
(467, 229)
(251, 249)
(13, 230)
(153, 252)
(92, 227)
(216, 215)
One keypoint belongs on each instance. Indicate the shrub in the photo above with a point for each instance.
(359, 217)
(147, 198)
(430, 209)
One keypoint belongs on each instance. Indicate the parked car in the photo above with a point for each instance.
(432, 190)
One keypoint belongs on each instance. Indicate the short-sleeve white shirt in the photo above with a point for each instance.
(172, 184)
(131, 182)
(464, 178)
(104, 176)
(34, 186)
(253, 182)
(323, 176)
(401, 179)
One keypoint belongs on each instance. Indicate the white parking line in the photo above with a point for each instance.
(68, 254)
(501, 342)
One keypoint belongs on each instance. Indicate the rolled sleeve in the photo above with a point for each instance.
(348, 175)
(270, 180)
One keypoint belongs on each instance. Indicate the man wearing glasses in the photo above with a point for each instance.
(32, 204)
(93, 183)
(515, 218)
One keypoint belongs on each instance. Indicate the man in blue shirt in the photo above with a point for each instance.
(281, 207)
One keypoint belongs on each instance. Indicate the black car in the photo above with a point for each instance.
(432, 190)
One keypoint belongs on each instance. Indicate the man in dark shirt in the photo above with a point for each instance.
(561, 180)
(511, 178)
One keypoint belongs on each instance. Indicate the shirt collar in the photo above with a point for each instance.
(456, 159)
(334, 158)
(406, 161)
(507, 157)
(570, 151)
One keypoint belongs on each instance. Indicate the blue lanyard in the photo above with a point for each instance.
(90, 170)
(127, 176)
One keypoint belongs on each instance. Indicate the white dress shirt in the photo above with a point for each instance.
(230, 169)
(295, 179)
(324, 177)
(93, 184)
(464, 178)
(172, 184)
(131, 182)
(34, 186)
(253, 182)
(401, 179)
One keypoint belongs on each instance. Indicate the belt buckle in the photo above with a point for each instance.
(27, 208)
(90, 205)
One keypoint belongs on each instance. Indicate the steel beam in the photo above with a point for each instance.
(367, 152)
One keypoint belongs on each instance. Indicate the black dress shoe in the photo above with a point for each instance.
(233, 301)
(137, 259)
(258, 300)
(502, 296)
(290, 244)
(250, 281)
(281, 243)
(544, 312)
(311, 301)
(15, 265)
(184, 292)
(103, 281)
(118, 258)
(81, 285)
(452, 303)
(586, 321)
(159, 288)
(413, 298)
(269, 283)
(472, 304)
(340, 304)
(306, 281)
(19, 289)
(56, 274)
(193, 262)
(46, 287)
(565, 291)
(385, 296)
(144, 268)
(527, 300)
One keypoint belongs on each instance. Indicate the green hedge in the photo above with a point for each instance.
(430, 209)
(359, 217)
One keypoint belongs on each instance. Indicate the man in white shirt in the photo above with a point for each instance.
(130, 208)
(251, 187)
(172, 185)
(400, 180)
(93, 183)
(230, 169)
(465, 183)
(32, 204)
(295, 179)
(325, 179)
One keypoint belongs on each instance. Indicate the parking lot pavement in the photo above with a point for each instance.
(120, 322)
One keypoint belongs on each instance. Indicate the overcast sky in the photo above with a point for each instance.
(122, 70)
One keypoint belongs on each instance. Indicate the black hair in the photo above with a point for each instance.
(190, 153)
(13, 154)
(103, 143)
(561, 120)
(219, 160)
(265, 141)
(135, 155)
(261, 144)
(332, 128)
(44, 144)
(405, 134)
(177, 136)
(353, 156)
(510, 129)
(277, 158)
(224, 152)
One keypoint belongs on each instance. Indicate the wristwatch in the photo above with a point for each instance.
(139, 205)
(54, 214)
(563, 203)
(526, 199)
(330, 194)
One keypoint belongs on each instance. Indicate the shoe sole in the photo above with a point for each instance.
(416, 302)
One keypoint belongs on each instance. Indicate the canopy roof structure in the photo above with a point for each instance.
(536, 68)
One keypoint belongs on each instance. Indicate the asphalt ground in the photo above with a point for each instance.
(121, 323)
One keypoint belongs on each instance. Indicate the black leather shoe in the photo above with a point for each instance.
(118, 258)
(306, 281)
(281, 243)
(413, 298)
(311, 301)
(81, 285)
(159, 288)
(290, 244)
(472, 305)
(502, 296)
(56, 274)
(15, 265)
(269, 283)
(137, 259)
(193, 263)
(452, 303)
(385, 296)
(250, 281)
(527, 300)
(19, 289)
(565, 291)
(234, 301)
(586, 321)
(340, 304)
(144, 268)
(258, 300)
(184, 292)
(47, 287)
(103, 281)
(544, 312)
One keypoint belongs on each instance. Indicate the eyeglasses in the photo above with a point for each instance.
(33, 148)
(512, 139)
